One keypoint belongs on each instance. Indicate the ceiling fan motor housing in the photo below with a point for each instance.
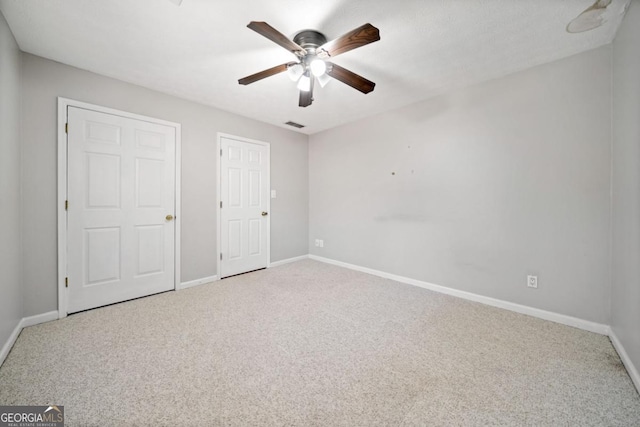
(309, 40)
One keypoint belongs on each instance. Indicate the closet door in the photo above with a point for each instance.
(121, 205)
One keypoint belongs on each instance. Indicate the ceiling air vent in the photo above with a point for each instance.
(294, 124)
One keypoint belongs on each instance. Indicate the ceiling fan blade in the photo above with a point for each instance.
(350, 78)
(265, 73)
(306, 97)
(277, 37)
(359, 37)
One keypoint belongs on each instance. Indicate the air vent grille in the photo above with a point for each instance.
(294, 124)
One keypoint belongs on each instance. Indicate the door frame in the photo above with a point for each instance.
(267, 145)
(63, 103)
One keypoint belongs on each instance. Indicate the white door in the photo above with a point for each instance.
(121, 202)
(244, 195)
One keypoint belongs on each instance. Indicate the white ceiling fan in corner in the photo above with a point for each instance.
(592, 17)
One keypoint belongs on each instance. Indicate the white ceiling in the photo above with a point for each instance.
(200, 49)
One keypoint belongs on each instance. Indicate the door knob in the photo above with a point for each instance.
(169, 217)
(265, 213)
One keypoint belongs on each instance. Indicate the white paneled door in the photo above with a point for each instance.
(121, 207)
(244, 196)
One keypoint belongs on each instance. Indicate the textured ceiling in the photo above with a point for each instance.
(200, 49)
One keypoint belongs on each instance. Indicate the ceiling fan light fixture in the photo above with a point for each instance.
(311, 49)
(318, 67)
(586, 21)
(304, 84)
(323, 79)
(295, 71)
(591, 18)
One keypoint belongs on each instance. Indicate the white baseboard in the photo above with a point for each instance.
(518, 308)
(626, 360)
(6, 348)
(39, 318)
(197, 282)
(23, 323)
(288, 261)
(210, 279)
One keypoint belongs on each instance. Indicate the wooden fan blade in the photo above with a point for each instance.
(266, 73)
(277, 37)
(306, 98)
(359, 37)
(350, 78)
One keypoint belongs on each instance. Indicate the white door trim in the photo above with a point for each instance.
(63, 103)
(219, 188)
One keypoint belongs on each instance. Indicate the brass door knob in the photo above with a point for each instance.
(169, 217)
(265, 213)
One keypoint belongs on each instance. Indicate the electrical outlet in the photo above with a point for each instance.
(532, 281)
(317, 243)
(321, 243)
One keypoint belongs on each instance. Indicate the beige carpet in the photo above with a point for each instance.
(310, 344)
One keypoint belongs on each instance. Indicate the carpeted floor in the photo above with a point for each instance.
(310, 344)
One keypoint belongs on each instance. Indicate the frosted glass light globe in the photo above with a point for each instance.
(304, 84)
(318, 67)
(323, 80)
(295, 71)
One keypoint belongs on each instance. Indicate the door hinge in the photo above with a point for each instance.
(221, 152)
(66, 205)
(220, 256)
(221, 204)
(66, 128)
(66, 282)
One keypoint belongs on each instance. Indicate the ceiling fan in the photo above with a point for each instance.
(313, 51)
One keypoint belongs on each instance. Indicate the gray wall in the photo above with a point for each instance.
(492, 183)
(44, 80)
(10, 281)
(625, 303)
